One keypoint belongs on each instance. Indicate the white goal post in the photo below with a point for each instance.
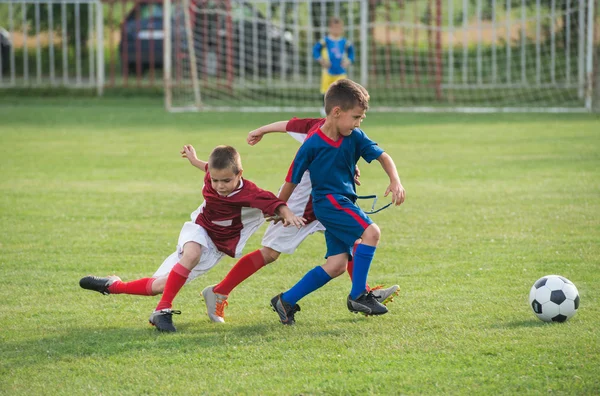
(412, 55)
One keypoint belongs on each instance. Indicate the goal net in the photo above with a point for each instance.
(412, 55)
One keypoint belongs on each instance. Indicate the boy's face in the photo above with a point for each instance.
(224, 181)
(336, 29)
(346, 121)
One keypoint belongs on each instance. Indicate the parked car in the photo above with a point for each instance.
(148, 29)
(5, 45)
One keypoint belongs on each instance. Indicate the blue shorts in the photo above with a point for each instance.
(344, 222)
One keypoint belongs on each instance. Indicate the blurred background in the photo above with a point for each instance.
(472, 55)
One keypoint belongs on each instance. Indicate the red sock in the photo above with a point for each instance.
(241, 271)
(350, 266)
(175, 282)
(139, 287)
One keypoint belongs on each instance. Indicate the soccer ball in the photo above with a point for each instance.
(554, 298)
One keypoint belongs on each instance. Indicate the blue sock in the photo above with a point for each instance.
(314, 279)
(362, 261)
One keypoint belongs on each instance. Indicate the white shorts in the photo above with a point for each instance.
(192, 232)
(287, 239)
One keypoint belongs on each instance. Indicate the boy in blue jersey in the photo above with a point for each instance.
(334, 53)
(330, 154)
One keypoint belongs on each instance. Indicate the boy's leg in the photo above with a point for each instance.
(244, 268)
(162, 316)
(359, 299)
(114, 285)
(285, 303)
(363, 256)
(215, 297)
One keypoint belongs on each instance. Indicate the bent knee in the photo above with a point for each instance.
(371, 235)
(191, 253)
(269, 255)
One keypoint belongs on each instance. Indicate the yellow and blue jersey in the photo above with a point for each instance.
(334, 50)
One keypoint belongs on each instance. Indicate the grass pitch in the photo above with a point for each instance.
(493, 203)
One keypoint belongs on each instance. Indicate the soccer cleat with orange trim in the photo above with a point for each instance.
(385, 296)
(98, 284)
(215, 304)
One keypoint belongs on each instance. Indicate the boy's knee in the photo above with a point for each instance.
(191, 254)
(269, 255)
(371, 235)
(339, 270)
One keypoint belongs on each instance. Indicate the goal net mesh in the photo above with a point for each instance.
(438, 55)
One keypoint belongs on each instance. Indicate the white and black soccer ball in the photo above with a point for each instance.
(554, 298)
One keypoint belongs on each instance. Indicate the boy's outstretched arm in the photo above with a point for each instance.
(395, 187)
(289, 218)
(286, 191)
(188, 151)
(256, 135)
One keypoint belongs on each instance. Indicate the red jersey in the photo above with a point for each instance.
(224, 218)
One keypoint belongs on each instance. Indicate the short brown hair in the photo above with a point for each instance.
(335, 21)
(347, 95)
(225, 157)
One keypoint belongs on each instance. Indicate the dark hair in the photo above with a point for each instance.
(225, 157)
(334, 21)
(347, 95)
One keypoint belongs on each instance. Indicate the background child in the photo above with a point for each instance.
(232, 211)
(335, 54)
(336, 146)
(279, 239)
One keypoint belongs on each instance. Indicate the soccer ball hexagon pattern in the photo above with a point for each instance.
(554, 298)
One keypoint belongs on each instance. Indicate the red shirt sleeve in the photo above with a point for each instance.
(302, 125)
(261, 199)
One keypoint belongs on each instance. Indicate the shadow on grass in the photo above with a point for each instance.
(102, 342)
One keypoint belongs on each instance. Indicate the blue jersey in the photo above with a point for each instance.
(332, 164)
(334, 51)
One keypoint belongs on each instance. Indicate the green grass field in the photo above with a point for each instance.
(493, 203)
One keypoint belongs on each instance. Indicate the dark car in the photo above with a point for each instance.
(142, 37)
(5, 46)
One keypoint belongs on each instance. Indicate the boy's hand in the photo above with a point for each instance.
(398, 193)
(346, 63)
(188, 151)
(294, 220)
(324, 63)
(288, 217)
(356, 175)
(254, 137)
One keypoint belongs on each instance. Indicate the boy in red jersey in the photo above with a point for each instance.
(279, 239)
(232, 210)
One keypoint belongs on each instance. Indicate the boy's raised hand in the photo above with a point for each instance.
(398, 193)
(188, 151)
(254, 137)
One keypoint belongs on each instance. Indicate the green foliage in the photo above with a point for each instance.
(96, 186)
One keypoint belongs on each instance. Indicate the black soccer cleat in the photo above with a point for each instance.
(163, 320)
(95, 283)
(284, 310)
(367, 304)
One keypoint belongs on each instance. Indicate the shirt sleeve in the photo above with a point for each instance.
(299, 165)
(302, 125)
(264, 200)
(350, 51)
(317, 49)
(369, 150)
